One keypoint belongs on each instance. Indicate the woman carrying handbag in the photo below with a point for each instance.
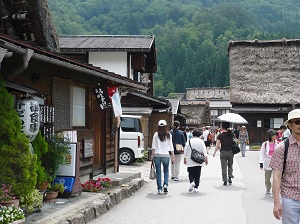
(162, 147)
(194, 168)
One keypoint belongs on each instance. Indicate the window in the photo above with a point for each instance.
(78, 118)
(128, 125)
(273, 122)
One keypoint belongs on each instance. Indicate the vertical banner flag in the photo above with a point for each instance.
(101, 94)
(114, 95)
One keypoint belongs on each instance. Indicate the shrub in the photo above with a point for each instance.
(18, 165)
(31, 202)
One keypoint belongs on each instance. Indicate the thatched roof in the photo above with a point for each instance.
(264, 72)
(38, 27)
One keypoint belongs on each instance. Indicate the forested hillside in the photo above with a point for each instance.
(191, 35)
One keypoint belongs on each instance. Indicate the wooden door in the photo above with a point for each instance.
(98, 122)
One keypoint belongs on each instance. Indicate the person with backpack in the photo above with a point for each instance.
(285, 163)
(265, 155)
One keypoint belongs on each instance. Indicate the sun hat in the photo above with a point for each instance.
(292, 114)
(243, 126)
(271, 132)
(162, 123)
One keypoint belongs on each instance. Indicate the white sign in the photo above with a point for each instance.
(29, 113)
(69, 170)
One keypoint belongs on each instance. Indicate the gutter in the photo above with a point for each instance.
(90, 71)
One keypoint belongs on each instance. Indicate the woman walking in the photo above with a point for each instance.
(243, 140)
(177, 139)
(265, 155)
(162, 146)
(224, 143)
(193, 168)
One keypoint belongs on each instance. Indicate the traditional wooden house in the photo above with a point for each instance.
(264, 82)
(133, 57)
(202, 106)
(63, 86)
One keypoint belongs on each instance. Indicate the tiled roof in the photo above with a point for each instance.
(94, 43)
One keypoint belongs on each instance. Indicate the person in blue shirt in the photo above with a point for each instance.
(177, 138)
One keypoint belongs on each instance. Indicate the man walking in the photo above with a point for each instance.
(286, 174)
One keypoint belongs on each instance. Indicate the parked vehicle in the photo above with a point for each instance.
(131, 139)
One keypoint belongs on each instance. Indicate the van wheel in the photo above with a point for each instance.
(126, 157)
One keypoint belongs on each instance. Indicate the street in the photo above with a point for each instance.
(243, 202)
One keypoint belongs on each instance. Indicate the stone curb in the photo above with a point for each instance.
(94, 206)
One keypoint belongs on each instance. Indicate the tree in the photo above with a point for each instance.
(18, 165)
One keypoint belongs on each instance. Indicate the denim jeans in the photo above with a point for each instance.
(290, 211)
(243, 148)
(165, 162)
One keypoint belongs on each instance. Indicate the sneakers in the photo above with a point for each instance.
(176, 179)
(268, 192)
(165, 189)
(192, 185)
(159, 191)
(225, 183)
(229, 180)
(196, 190)
(172, 178)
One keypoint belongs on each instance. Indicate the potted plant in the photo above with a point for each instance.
(55, 156)
(11, 215)
(53, 191)
(7, 197)
(32, 202)
(40, 147)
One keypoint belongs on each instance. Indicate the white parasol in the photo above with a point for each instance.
(232, 118)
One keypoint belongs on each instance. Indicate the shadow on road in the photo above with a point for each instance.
(229, 188)
(193, 194)
(155, 196)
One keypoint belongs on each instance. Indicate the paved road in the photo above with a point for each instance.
(243, 202)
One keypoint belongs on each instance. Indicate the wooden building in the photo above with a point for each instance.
(63, 86)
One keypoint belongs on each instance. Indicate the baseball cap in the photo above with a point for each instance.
(162, 123)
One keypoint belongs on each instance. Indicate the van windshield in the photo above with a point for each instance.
(131, 124)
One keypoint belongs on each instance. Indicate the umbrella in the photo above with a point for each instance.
(232, 118)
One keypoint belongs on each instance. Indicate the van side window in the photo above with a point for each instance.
(127, 125)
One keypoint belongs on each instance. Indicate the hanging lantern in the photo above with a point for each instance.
(29, 113)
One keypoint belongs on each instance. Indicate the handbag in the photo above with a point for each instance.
(152, 175)
(179, 148)
(235, 148)
(197, 156)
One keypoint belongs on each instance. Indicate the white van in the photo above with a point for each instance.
(131, 139)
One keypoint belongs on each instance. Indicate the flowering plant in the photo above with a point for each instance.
(10, 214)
(97, 185)
(6, 193)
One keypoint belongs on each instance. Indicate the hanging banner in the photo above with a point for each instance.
(114, 95)
(29, 113)
(101, 94)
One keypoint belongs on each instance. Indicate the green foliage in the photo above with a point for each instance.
(191, 36)
(40, 147)
(57, 187)
(31, 202)
(18, 165)
(55, 156)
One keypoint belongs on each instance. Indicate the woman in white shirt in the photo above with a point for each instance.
(162, 147)
(265, 155)
(193, 168)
